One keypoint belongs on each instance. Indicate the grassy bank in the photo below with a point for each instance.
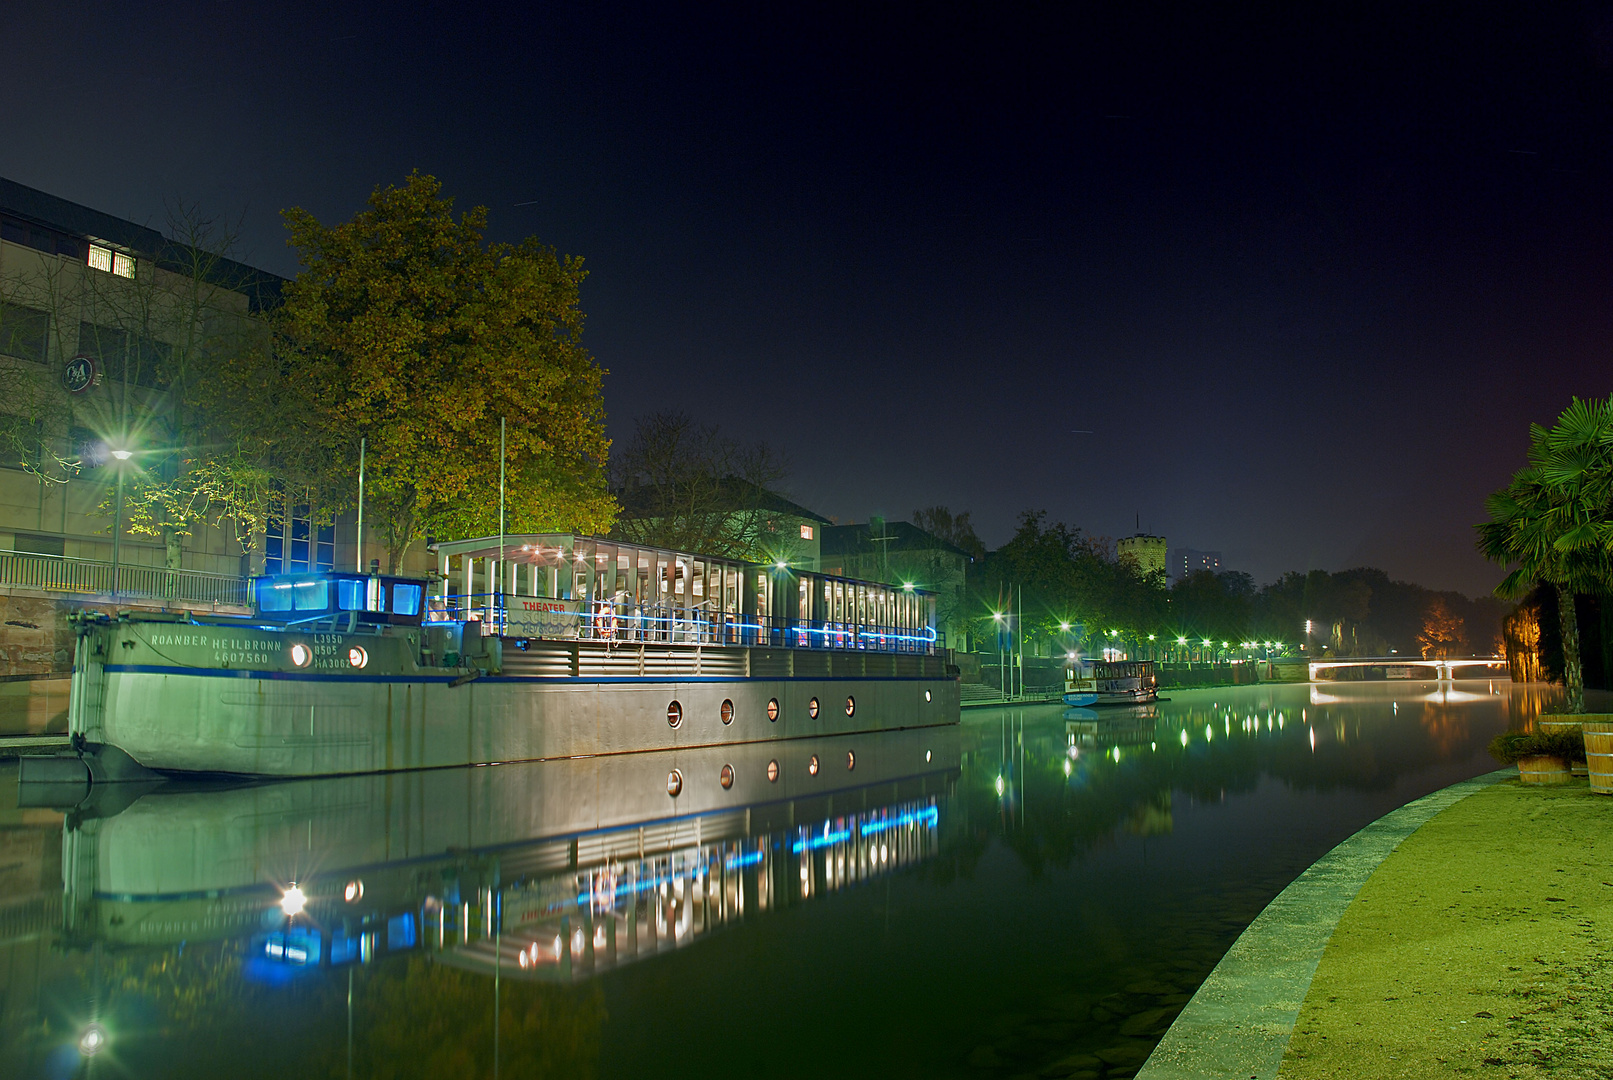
(1483, 945)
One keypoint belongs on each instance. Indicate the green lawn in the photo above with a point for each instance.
(1483, 945)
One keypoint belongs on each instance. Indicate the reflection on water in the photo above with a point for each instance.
(1039, 891)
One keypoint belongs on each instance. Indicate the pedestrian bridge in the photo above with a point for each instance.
(1372, 668)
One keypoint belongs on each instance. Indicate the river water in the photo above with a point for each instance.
(1031, 894)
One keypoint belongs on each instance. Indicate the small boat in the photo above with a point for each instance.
(1125, 682)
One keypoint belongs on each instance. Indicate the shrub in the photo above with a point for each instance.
(1509, 746)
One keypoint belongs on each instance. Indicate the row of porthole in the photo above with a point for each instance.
(674, 779)
(674, 710)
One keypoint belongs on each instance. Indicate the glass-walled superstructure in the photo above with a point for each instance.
(557, 585)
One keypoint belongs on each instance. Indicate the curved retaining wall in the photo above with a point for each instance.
(1239, 1022)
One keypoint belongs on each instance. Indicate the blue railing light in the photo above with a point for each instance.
(927, 817)
(821, 841)
(699, 627)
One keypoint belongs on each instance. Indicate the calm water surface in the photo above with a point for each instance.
(1030, 894)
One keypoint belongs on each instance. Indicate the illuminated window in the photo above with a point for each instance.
(806, 532)
(100, 258)
(122, 265)
(406, 599)
(296, 545)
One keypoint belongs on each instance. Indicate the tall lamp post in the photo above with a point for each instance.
(121, 456)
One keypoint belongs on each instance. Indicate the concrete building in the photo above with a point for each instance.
(1186, 561)
(1147, 552)
(97, 314)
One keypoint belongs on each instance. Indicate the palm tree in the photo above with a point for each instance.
(1555, 521)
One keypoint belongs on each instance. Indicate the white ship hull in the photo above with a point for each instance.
(228, 700)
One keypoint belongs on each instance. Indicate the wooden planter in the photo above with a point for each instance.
(1563, 723)
(1599, 754)
(1541, 769)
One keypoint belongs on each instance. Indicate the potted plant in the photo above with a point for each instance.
(1542, 757)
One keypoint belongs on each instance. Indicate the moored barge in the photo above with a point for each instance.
(552, 646)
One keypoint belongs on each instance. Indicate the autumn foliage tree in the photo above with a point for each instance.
(408, 330)
(1443, 631)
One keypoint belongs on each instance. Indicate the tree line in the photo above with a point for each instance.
(1062, 581)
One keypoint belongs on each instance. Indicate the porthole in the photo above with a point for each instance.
(354, 891)
(772, 709)
(772, 772)
(812, 766)
(851, 705)
(727, 712)
(812, 708)
(726, 777)
(926, 695)
(674, 714)
(926, 755)
(674, 783)
(851, 760)
(301, 655)
(357, 657)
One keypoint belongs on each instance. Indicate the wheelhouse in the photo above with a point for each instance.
(367, 599)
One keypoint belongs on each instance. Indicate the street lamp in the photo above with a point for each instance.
(120, 456)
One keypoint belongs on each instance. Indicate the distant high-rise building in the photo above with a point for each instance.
(1185, 562)
(1148, 552)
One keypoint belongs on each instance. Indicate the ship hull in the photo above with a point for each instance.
(197, 706)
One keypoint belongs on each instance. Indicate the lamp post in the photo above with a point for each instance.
(120, 456)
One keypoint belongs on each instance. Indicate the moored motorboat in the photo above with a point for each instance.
(1126, 682)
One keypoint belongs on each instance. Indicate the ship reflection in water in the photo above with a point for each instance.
(549, 871)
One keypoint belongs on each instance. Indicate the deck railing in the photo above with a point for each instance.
(89, 577)
(677, 626)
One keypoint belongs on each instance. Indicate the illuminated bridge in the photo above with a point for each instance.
(1406, 667)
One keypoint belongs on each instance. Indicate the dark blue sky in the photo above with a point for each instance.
(1307, 276)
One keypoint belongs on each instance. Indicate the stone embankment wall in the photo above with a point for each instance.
(35, 638)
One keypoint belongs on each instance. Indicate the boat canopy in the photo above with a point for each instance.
(565, 585)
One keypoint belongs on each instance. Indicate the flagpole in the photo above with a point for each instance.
(358, 554)
(502, 573)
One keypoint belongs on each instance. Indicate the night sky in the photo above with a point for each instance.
(1305, 277)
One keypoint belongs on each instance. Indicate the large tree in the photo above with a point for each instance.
(1555, 522)
(410, 331)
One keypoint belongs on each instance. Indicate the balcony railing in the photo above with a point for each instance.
(88, 577)
(676, 626)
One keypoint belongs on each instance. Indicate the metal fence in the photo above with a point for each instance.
(87, 577)
(675, 626)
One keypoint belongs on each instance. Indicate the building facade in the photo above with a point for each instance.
(1185, 562)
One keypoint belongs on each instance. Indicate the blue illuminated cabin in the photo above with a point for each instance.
(370, 599)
